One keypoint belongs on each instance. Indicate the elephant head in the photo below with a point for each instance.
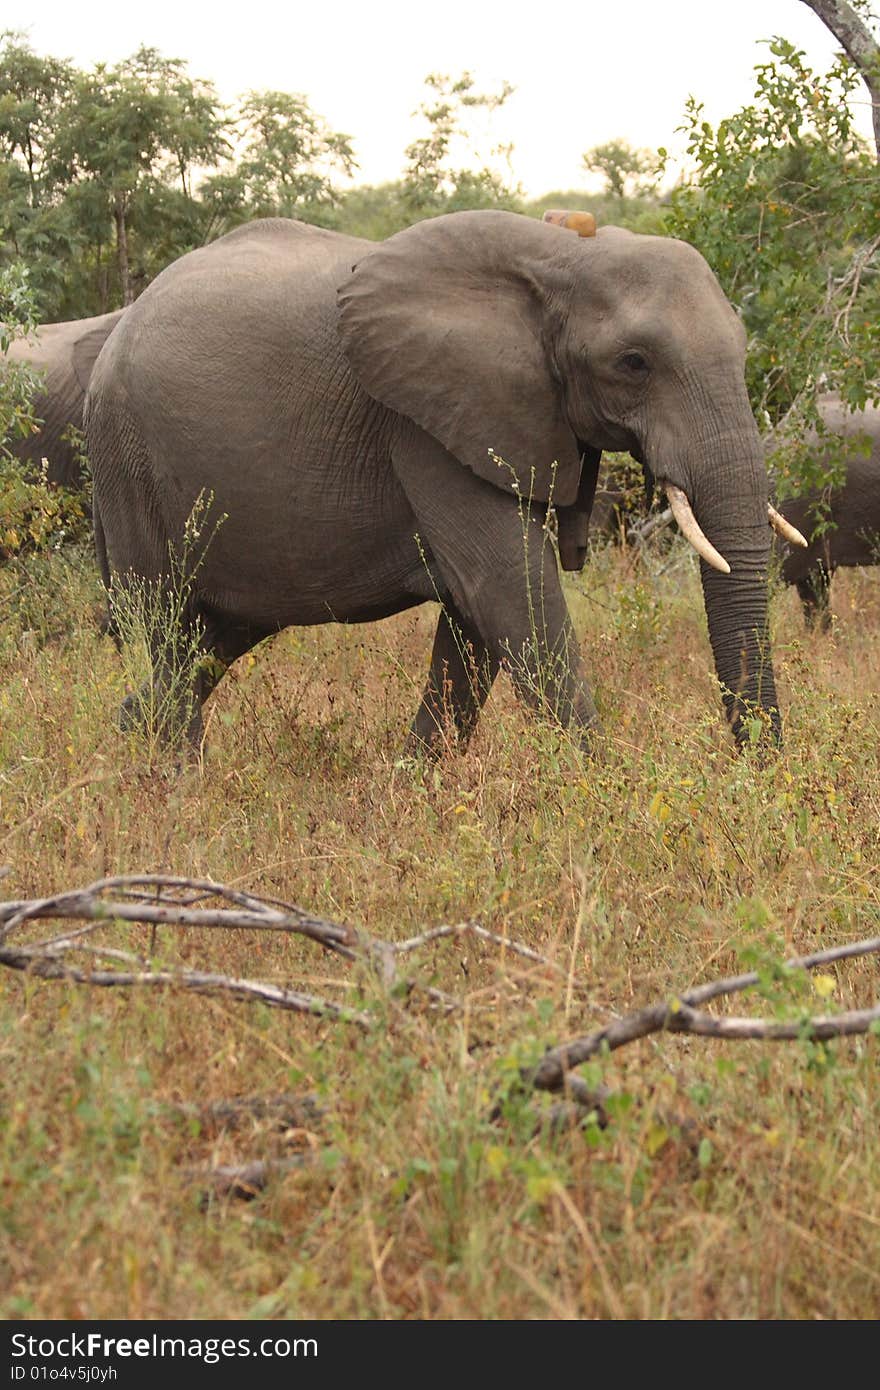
(526, 350)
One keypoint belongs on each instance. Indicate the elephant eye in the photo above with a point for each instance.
(634, 363)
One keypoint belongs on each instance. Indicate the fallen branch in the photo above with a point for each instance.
(144, 899)
(680, 1015)
(172, 901)
(52, 967)
(504, 943)
(284, 1111)
(253, 913)
(246, 1180)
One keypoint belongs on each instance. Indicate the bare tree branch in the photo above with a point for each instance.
(254, 913)
(51, 967)
(638, 534)
(504, 943)
(860, 46)
(678, 1015)
(145, 899)
(842, 1025)
(246, 1180)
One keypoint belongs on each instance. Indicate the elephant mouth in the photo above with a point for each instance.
(693, 533)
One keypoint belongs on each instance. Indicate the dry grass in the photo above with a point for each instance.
(735, 1180)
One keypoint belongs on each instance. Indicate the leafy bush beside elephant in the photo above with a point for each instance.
(64, 354)
(385, 424)
(849, 516)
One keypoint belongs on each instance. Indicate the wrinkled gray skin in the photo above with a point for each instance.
(854, 538)
(338, 414)
(65, 354)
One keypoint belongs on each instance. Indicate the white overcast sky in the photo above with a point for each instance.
(585, 72)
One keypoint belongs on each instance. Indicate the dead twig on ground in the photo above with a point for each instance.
(680, 1014)
(54, 967)
(246, 1180)
(173, 901)
(283, 1112)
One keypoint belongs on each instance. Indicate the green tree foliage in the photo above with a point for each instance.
(444, 170)
(96, 172)
(628, 173)
(374, 211)
(784, 203)
(108, 175)
(33, 229)
(290, 156)
(34, 514)
(17, 380)
(32, 92)
(435, 180)
(128, 140)
(855, 26)
(286, 165)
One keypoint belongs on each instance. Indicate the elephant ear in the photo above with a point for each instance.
(89, 344)
(444, 324)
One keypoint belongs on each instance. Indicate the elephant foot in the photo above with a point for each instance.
(821, 622)
(180, 729)
(431, 744)
(132, 712)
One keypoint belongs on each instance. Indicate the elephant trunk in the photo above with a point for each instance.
(736, 603)
(736, 607)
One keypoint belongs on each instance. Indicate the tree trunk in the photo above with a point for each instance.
(102, 280)
(29, 156)
(860, 46)
(122, 249)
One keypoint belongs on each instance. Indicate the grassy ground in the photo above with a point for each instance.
(736, 1180)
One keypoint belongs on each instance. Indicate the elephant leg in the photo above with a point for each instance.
(815, 596)
(224, 640)
(185, 669)
(168, 704)
(542, 656)
(459, 681)
(496, 561)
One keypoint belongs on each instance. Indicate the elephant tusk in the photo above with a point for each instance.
(690, 529)
(784, 528)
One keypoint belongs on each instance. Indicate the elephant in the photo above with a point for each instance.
(376, 425)
(65, 353)
(853, 538)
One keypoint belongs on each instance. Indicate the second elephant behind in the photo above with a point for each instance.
(853, 511)
(64, 355)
